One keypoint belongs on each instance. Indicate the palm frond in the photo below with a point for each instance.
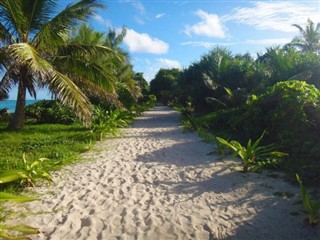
(6, 37)
(69, 94)
(95, 92)
(87, 51)
(12, 17)
(55, 32)
(64, 88)
(86, 35)
(299, 27)
(85, 70)
(6, 84)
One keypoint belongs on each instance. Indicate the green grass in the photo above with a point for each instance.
(62, 144)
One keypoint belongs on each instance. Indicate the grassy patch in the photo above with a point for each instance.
(61, 144)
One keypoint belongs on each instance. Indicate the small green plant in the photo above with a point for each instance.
(34, 170)
(23, 230)
(312, 207)
(253, 154)
(194, 123)
(221, 149)
(108, 121)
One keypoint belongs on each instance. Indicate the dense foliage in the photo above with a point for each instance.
(47, 111)
(238, 97)
(91, 78)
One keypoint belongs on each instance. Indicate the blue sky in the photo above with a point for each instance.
(176, 33)
(166, 34)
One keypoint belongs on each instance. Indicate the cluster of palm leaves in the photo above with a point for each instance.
(41, 48)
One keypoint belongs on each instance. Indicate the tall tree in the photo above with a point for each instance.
(309, 40)
(163, 84)
(117, 67)
(35, 52)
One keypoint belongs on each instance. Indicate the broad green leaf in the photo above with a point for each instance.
(11, 176)
(21, 228)
(7, 197)
(257, 142)
(225, 142)
(249, 144)
(229, 92)
(5, 235)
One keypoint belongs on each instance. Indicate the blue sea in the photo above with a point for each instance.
(11, 104)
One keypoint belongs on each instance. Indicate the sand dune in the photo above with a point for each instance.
(156, 182)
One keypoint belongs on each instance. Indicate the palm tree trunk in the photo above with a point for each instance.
(17, 122)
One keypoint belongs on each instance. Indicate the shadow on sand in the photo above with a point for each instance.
(191, 154)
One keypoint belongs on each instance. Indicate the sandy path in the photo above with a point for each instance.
(157, 182)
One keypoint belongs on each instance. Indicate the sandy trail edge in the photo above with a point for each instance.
(157, 182)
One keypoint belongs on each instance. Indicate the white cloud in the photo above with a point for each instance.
(206, 44)
(102, 21)
(144, 43)
(152, 67)
(138, 20)
(160, 15)
(275, 15)
(168, 63)
(263, 42)
(271, 41)
(138, 6)
(209, 26)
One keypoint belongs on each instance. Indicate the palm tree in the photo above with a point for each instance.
(124, 69)
(309, 40)
(34, 51)
(117, 66)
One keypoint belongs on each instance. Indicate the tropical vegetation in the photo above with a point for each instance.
(93, 86)
(95, 92)
(18, 232)
(42, 48)
(312, 206)
(238, 96)
(253, 155)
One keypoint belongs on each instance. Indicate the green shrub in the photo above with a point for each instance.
(253, 155)
(4, 114)
(34, 170)
(194, 122)
(290, 111)
(48, 111)
(287, 110)
(109, 121)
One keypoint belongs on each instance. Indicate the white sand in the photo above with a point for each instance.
(157, 182)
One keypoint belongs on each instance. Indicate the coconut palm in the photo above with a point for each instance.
(117, 66)
(309, 40)
(124, 69)
(34, 51)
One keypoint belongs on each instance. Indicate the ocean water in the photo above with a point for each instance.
(11, 104)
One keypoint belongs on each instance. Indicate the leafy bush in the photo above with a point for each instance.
(126, 97)
(149, 101)
(33, 171)
(194, 122)
(286, 109)
(291, 112)
(108, 121)
(47, 111)
(253, 156)
(4, 114)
